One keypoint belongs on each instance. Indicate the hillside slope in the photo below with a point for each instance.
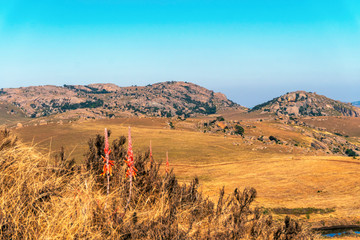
(301, 103)
(107, 100)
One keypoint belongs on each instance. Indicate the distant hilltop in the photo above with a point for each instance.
(165, 99)
(301, 103)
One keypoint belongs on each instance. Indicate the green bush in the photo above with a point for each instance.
(272, 138)
(220, 118)
(239, 130)
(351, 153)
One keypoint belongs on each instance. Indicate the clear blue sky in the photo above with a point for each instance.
(251, 50)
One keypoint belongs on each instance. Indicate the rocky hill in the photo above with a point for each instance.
(301, 103)
(107, 100)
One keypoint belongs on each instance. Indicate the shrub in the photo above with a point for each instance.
(272, 138)
(239, 130)
(351, 153)
(220, 118)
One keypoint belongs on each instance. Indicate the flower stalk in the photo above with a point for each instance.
(150, 155)
(107, 169)
(131, 171)
(167, 166)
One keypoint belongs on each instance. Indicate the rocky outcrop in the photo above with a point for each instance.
(333, 143)
(161, 99)
(301, 103)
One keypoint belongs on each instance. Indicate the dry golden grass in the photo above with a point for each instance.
(284, 176)
(38, 203)
(44, 200)
(344, 125)
(11, 115)
(301, 182)
(184, 146)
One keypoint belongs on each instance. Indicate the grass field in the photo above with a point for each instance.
(349, 126)
(283, 177)
(10, 115)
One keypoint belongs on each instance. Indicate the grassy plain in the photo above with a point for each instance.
(349, 126)
(10, 115)
(283, 176)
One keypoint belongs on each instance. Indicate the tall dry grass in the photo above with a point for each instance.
(43, 199)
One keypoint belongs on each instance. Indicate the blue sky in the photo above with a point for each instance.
(251, 50)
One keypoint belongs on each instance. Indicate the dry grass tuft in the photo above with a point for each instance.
(57, 200)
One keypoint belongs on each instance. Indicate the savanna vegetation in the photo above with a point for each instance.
(284, 177)
(53, 198)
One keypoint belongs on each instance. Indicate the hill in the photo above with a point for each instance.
(301, 103)
(107, 100)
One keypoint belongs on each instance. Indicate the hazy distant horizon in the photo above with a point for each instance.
(252, 51)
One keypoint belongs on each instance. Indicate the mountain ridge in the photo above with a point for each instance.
(164, 99)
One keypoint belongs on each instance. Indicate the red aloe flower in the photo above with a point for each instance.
(106, 149)
(167, 167)
(107, 169)
(151, 157)
(131, 171)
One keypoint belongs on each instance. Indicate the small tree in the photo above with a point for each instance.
(239, 130)
(171, 125)
(350, 153)
(220, 118)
